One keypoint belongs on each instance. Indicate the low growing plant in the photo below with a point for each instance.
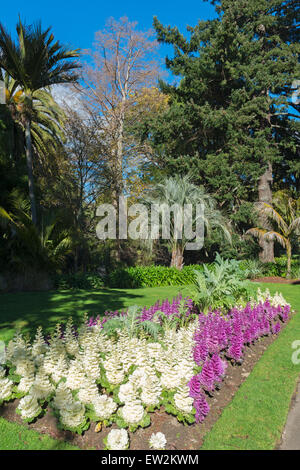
(221, 286)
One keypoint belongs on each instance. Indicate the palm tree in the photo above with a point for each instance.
(180, 190)
(35, 62)
(47, 117)
(41, 246)
(287, 218)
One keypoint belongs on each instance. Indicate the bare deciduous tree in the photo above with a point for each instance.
(122, 63)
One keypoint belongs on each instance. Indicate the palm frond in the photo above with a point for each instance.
(295, 225)
(270, 212)
(256, 231)
(276, 236)
(35, 61)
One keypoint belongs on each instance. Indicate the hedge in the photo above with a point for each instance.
(152, 276)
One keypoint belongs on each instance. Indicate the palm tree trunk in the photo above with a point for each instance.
(289, 259)
(265, 195)
(177, 257)
(30, 170)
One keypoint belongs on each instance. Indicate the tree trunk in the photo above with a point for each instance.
(289, 259)
(265, 195)
(118, 175)
(177, 257)
(30, 170)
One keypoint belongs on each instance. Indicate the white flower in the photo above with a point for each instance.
(132, 412)
(17, 349)
(5, 388)
(76, 375)
(157, 367)
(42, 386)
(26, 383)
(170, 378)
(117, 439)
(24, 367)
(71, 343)
(137, 377)
(88, 391)
(278, 299)
(113, 370)
(157, 441)
(154, 350)
(29, 407)
(73, 415)
(185, 369)
(104, 407)
(39, 347)
(151, 390)
(91, 362)
(61, 369)
(127, 392)
(63, 396)
(72, 346)
(182, 399)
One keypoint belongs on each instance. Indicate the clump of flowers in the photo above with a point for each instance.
(104, 406)
(157, 441)
(73, 417)
(132, 412)
(6, 386)
(29, 408)
(117, 439)
(219, 337)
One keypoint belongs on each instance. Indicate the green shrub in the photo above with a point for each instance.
(256, 269)
(222, 285)
(162, 276)
(152, 276)
(78, 281)
(253, 268)
(279, 268)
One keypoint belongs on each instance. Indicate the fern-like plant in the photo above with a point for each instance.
(132, 324)
(220, 286)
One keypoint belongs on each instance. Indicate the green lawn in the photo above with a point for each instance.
(17, 437)
(28, 310)
(256, 416)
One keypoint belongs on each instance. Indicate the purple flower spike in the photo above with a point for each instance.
(202, 408)
(207, 376)
(195, 386)
(276, 328)
(218, 367)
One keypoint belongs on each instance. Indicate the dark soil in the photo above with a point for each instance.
(178, 436)
(277, 280)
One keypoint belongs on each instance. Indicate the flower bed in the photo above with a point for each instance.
(123, 375)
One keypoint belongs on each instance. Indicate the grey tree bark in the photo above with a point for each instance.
(30, 171)
(265, 195)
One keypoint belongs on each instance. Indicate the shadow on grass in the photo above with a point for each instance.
(28, 310)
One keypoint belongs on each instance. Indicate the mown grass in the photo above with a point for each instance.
(28, 310)
(255, 418)
(17, 437)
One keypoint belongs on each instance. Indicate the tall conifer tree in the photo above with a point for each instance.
(231, 122)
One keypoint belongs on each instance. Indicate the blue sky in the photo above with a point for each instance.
(75, 22)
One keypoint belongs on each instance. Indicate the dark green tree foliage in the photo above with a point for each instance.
(12, 158)
(35, 62)
(229, 120)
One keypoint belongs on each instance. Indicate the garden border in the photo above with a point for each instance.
(234, 414)
(259, 425)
